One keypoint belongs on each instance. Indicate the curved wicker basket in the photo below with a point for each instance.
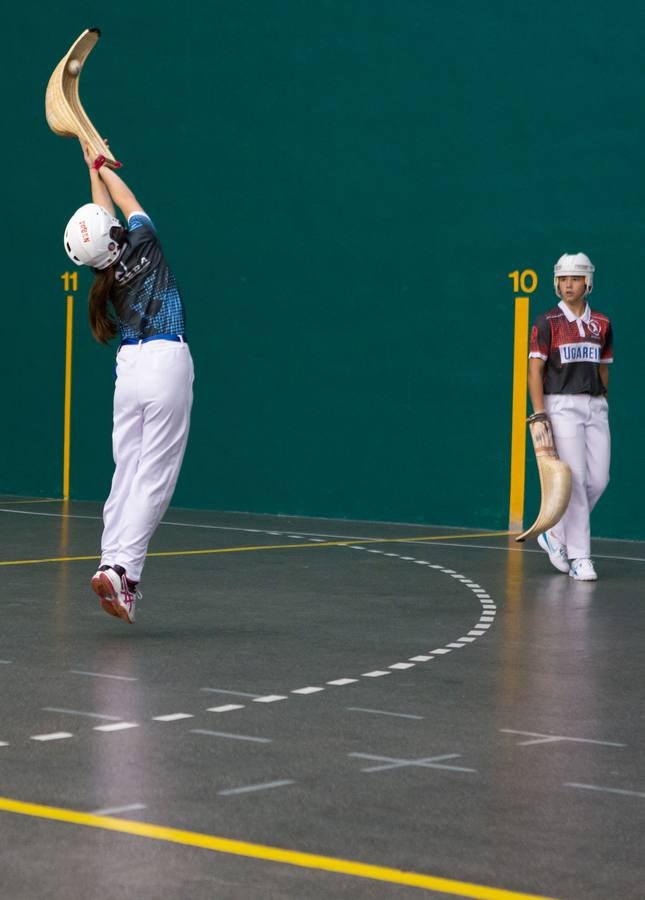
(63, 109)
(555, 478)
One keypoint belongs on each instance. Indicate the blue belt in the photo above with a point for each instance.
(154, 337)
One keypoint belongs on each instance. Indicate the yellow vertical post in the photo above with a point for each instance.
(518, 426)
(67, 429)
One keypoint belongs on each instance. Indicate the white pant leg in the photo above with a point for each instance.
(581, 435)
(568, 423)
(127, 433)
(598, 450)
(164, 381)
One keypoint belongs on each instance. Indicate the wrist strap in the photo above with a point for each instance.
(101, 160)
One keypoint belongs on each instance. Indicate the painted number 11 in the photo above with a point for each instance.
(525, 281)
(70, 281)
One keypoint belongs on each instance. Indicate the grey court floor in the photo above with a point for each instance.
(318, 709)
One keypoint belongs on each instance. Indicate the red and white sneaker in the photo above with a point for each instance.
(117, 598)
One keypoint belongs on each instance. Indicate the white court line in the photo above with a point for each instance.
(256, 787)
(116, 726)
(210, 690)
(116, 810)
(382, 712)
(342, 537)
(172, 717)
(233, 737)
(78, 712)
(228, 707)
(102, 675)
(554, 738)
(604, 790)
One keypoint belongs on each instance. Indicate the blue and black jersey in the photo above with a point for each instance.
(145, 295)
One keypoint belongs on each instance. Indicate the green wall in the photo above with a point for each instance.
(342, 187)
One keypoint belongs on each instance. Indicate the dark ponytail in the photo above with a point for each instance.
(102, 324)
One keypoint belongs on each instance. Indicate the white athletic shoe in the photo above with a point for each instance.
(557, 551)
(117, 599)
(582, 570)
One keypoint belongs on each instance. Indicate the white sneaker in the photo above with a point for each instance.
(117, 599)
(557, 551)
(582, 570)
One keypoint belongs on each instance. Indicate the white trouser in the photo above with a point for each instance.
(581, 432)
(152, 402)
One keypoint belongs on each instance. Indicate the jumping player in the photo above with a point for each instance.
(570, 350)
(135, 294)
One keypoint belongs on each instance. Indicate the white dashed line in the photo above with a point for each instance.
(232, 737)
(103, 675)
(489, 610)
(117, 810)
(256, 787)
(382, 712)
(78, 712)
(604, 790)
(116, 726)
(228, 707)
(172, 717)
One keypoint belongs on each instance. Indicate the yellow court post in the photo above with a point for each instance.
(67, 418)
(518, 420)
(524, 283)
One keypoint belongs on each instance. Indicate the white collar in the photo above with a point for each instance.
(585, 317)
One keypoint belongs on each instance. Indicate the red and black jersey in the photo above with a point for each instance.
(572, 349)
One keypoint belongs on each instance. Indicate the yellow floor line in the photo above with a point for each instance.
(255, 547)
(212, 550)
(21, 502)
(259, 851)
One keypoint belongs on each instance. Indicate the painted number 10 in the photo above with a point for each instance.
(70, 281)
(525, 281)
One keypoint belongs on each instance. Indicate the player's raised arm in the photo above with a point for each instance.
(119, 192)
(100, 193)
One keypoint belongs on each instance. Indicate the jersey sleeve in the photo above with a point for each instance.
(607, 352)
(540, 341)
(139, 219)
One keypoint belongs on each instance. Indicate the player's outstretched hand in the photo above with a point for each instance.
(88, 156)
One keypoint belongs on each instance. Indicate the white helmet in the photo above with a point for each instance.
(574, 264)
(93, 237)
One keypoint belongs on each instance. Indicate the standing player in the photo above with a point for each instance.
(136, 294)
(570, 349)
